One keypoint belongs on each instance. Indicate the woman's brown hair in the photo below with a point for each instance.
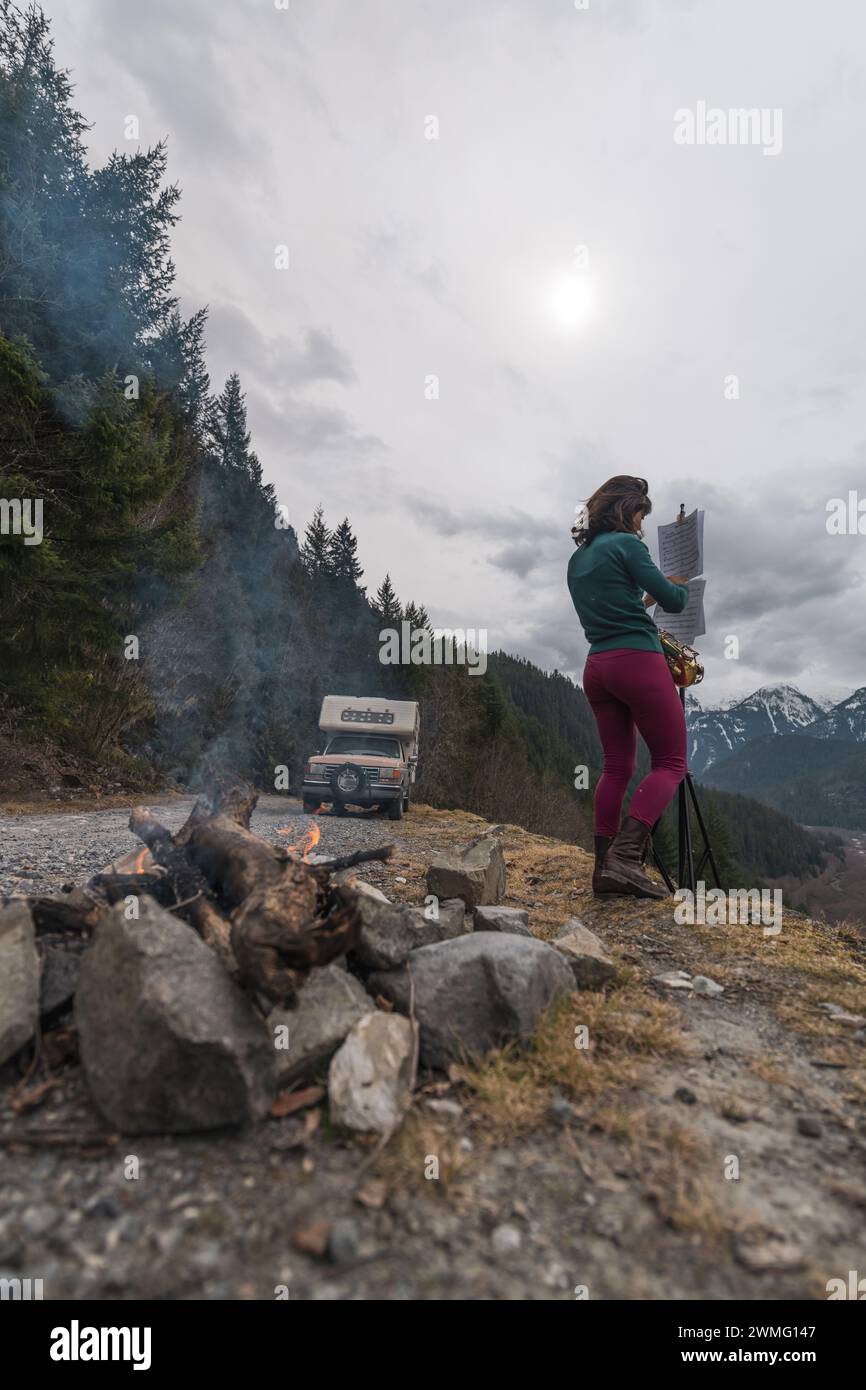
(612, 507)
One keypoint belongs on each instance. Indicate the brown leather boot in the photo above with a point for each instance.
(623, 872)
(601, 846)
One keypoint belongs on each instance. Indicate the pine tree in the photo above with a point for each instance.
(386, 605)
(343, 555)
(416, 615)
(229, 436)
(179, 365)
(316, 549)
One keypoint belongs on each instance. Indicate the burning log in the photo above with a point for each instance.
(272, 917)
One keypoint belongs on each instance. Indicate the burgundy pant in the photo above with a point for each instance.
(631, 690)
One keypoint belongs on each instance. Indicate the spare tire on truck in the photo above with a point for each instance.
(348, 783)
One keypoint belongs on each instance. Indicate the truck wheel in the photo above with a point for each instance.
(340, 808)
(395, 808)
(405, 803)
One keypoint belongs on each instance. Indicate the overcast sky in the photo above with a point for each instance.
(454, 257)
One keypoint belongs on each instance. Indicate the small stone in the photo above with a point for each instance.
(38, 1221)
(445, 1107)
(685, 1096)
(702, 984)
(371, 1076)
(367, 890)
(328, 1006)
(61, 968)
(313, 1238)
(775, 1254)
(591, 966)
(513, 920)
(809, 1126)
(343, 1242)
(506, 1240)
(673, 979)
(561, 1109)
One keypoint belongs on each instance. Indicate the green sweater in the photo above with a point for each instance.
(607, 580)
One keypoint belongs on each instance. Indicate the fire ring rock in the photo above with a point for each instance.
(329, 1005)
(475, 992)
(169, 1044)
(476, 873)
(390, 931)
(19, 979)
(371, 1077)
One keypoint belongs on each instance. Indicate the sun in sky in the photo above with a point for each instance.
(572, 300)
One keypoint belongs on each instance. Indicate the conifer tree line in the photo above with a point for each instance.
(158, 523)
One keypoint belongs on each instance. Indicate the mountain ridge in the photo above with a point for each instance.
(719, 732)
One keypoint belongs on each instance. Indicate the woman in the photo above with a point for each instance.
(626, 680)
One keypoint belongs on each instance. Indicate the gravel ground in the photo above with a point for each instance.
(40, 853)
(216, 1216)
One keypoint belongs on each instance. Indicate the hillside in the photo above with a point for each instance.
(814, 781)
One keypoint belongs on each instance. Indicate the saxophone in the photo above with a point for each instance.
(683, 662)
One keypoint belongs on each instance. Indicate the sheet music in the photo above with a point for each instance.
(681, 546)
(689, 624)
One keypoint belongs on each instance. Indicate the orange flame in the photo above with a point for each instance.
(307, 844)
(138, 866)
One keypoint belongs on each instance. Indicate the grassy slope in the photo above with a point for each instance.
(751, 1060)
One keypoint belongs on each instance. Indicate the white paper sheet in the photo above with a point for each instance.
(681, 546)
(689, 624)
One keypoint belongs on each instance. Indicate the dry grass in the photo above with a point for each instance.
(511, 1088)
(405, 1162)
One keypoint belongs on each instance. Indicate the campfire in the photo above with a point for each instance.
(305, 847)
(269, 912)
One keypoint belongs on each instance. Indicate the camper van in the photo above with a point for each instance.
(368, 756)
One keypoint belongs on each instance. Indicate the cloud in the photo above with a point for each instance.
(297, 426)
(278, 360)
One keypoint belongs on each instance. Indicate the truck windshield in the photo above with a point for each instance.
(364, 743)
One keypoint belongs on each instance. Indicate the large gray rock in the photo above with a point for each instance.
(19, 979)
(475, 992)
(168, 1042)
(591, 965)
(476, 873)
(390, 931)
(329, 1005)
(513, 921)
(371, 1076)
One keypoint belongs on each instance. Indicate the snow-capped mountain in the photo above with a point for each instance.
(715, 734)
(847, 720)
